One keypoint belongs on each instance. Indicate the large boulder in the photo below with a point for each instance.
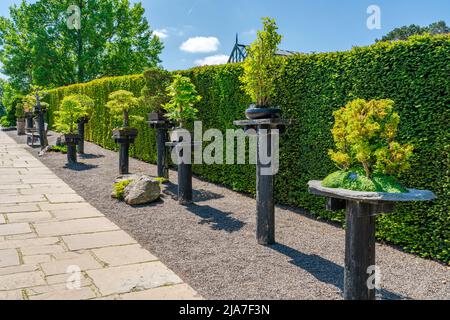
(142, 190)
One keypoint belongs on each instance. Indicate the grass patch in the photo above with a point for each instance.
(356, 180)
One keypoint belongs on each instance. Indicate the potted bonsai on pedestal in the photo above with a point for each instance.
(120, 104)
(28, 103)
(369, 160)
(265, 120)
(181, 109)
(20, 119)
(70, 111)
(88, 105)
(259, 72)
(154, 96)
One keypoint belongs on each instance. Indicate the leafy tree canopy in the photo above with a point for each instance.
(405, 32)
(38, 47)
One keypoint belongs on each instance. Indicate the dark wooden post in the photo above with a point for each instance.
(185, 183)
(124, 137)
(359, 251)
(81, 127)
(30, 124)
(71, 153)
(265, 205)
(361, 211)
(162, 126)
(124, 148)
(163, 158)
(41, 123)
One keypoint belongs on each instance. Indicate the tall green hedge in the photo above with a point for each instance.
(413, 73)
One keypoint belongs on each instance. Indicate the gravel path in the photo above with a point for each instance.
(211, 245)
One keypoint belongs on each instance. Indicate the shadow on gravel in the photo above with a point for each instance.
(91, 156)
(201, 195)
(80, 167)
(326, 271)
(218, 220)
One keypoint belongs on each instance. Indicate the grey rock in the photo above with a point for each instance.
(132, 177)
(142, 191)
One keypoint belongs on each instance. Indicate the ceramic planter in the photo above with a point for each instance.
(256, 113)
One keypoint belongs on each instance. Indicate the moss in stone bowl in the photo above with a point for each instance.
(355, 180)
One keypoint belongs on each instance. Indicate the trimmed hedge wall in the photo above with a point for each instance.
(413, 73)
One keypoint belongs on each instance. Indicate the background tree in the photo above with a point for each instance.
(405, 32)
(37, 46)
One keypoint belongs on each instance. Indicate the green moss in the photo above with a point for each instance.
(161, 180)
(119, 188)
(62, 149)
(356, 180)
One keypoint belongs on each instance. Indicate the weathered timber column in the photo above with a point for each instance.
(124, 163)
(361, 211)
(265, 203)
(163, 158)
(359, 251)
(162, 137)
(124, 137)
(81, 130)
(184, 181)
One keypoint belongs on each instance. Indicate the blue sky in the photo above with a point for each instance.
(307, 25)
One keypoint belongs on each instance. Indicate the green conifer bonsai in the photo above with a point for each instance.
(259, 77)
(121, 103)
(367, 154)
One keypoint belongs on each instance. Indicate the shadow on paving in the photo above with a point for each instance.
(326, 271)
(217, 219)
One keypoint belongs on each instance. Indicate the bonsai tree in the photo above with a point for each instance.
(120, 104)
(259, 76)
(183, 97)
(366, 151)
(73, 108)
(154, 94)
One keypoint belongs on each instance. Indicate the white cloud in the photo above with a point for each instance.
(212, 60)
(201, 45)
(161, 33)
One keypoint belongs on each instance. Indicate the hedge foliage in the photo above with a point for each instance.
(413, 73)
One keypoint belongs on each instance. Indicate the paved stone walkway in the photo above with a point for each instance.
(54, 245)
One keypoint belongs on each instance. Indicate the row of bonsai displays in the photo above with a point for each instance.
(367, 154)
